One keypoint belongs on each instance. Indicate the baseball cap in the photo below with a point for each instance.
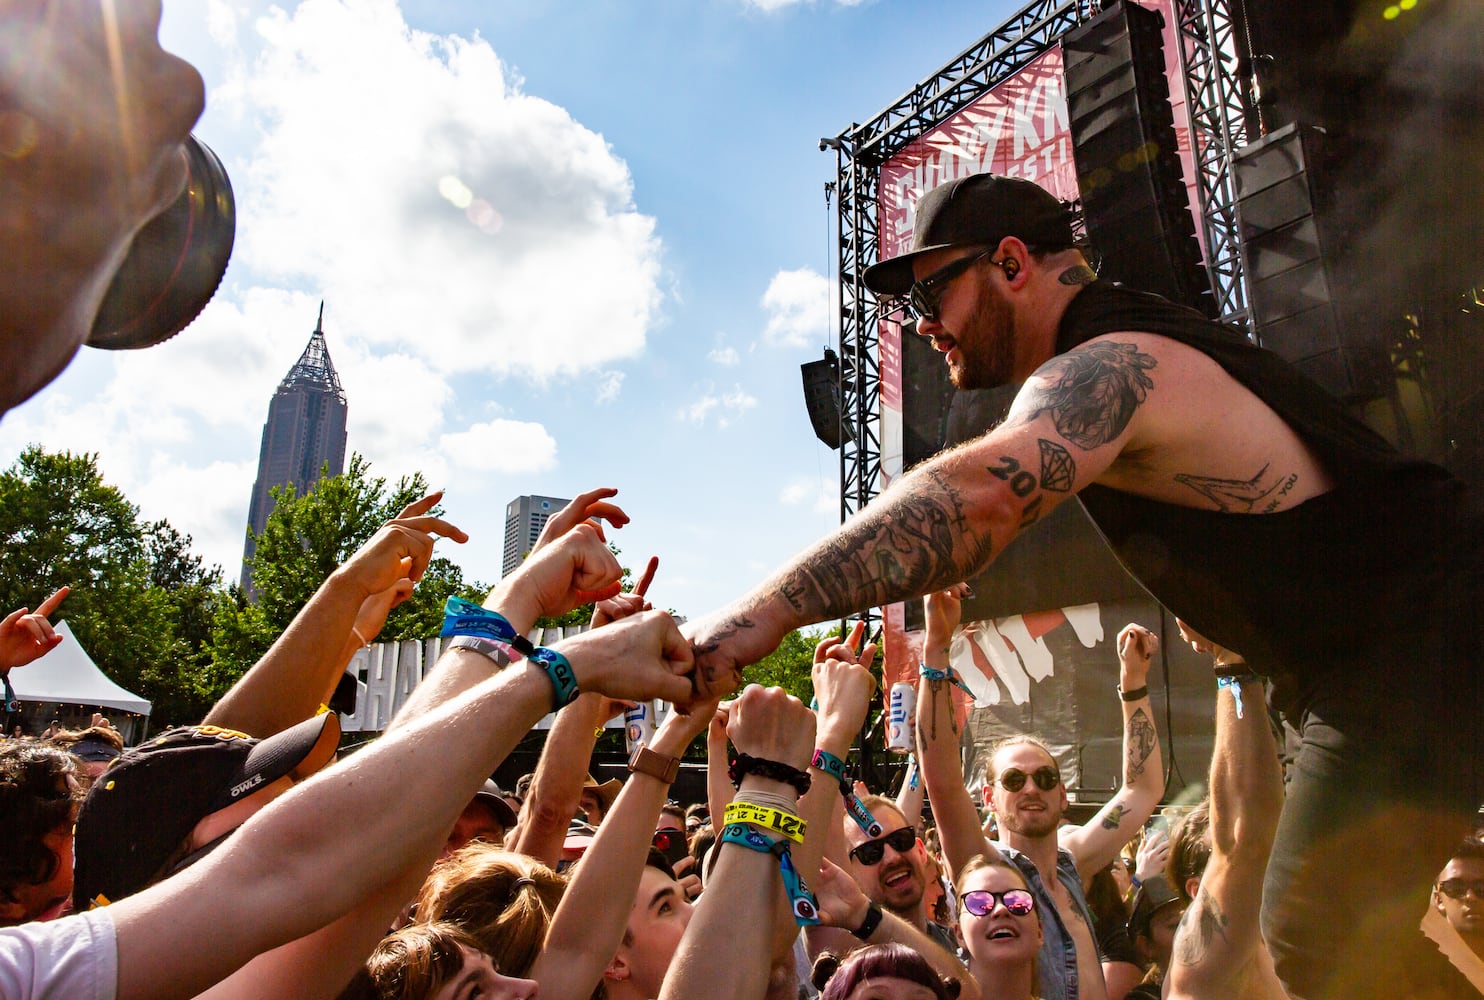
(1153, 895)
(490, 793)
(93, 749)
(977, 210)
(140, 811)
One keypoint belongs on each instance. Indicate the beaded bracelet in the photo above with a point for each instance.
(777, 820)
(857, 810)
(801, 900)
(745, 764)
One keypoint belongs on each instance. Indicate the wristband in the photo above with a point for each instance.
(854, 807)
(494, 651)
(776, 820)
(1137, 694)
(1234, 682)
(868, 926)
(461, 617)
(744, 764)
(946, 674)
(801, 900)
(558, 671)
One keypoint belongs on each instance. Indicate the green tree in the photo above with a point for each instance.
(140, 605)
(305, 538)
(789, 665)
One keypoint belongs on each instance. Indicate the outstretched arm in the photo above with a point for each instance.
(1100, 840)
(1219, 951)
(300, 669)
(950, 517)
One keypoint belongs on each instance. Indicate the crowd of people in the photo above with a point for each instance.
(239, 857)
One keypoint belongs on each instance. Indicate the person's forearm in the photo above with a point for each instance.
(589, 924)
(457, 671)
(938, 759)
(940, 524)
(300, 670)
(1143, 769)
(314, 877)
(556, 788)
(1246, 776)
(718, 785)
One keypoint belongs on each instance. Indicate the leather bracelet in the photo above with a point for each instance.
(868, 926)
(1137, 694)
(745, 764)
(653, 763)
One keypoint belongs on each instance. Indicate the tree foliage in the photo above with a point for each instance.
(305, 538)
(141, 604)
(789, 665)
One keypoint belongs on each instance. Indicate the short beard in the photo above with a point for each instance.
(992, 362)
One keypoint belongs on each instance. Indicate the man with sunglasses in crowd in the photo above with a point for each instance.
(1245, 498)
(1025, 793)
(893, 869)
(1459, 894)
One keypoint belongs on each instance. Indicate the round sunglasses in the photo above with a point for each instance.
(1012, 779)
(981, 901)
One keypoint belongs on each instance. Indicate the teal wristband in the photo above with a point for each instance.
(946, 674)
(559, 670)
(801, 900)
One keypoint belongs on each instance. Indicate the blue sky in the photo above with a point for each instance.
(561, 245)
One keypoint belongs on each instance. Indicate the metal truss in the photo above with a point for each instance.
(1209, 60)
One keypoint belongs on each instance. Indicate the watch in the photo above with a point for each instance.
(646, 761)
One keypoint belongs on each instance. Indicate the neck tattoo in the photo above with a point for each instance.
(1077, 274)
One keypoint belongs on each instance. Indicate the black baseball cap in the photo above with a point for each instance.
(140, 810)
(1154, 895)
(978, 210)
(491, 794)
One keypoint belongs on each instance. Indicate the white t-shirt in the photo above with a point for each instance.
(75, 958)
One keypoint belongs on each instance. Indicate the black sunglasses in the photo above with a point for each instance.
(982, 901)
(1012, 779)
(871, 851)
(924, 297)
(1457, 888)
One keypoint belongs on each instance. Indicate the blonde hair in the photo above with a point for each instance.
(503, 900)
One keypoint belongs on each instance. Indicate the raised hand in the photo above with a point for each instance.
(623, 605)
(401, 550)
(26, 635)
(1136, 647)
(840, 899)
(636, 659)
(843, 684)
(724, 643)
(1223, 657)
(576, 568)
(588, 506)
(772, 724)
(943, 609)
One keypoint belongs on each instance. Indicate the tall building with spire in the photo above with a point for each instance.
(304, 433)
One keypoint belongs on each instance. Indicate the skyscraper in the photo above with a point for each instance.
(304, 433)
(524, 519)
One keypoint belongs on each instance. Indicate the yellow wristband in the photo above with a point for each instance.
(776, 820)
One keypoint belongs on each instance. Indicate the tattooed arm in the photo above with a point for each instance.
(1098, 842)
(1219, 951)
(951, 516)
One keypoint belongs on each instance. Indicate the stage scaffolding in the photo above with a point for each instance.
(1209, 58)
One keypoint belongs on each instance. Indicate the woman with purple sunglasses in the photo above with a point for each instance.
(999, 927)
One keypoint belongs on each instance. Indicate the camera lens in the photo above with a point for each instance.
(175, 263)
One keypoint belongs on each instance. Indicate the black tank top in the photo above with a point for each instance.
(1307, 589)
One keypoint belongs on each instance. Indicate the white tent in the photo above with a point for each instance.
(67, 674)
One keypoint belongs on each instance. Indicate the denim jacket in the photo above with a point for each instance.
(1057, 960)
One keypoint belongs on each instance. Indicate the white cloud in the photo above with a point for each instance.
(800, 309)
(610, 384)
(507, 446)
(816, 494)
(408, 177)
(726, 407)
(727, 357)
